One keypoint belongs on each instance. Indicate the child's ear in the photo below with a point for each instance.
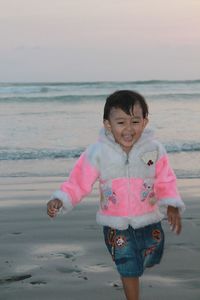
(107, 125)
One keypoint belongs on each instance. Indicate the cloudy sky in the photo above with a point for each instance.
(91, 40)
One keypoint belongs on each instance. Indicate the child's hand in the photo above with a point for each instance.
(174, 219)
(53, 207)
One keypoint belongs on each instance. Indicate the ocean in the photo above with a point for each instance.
(44, 127)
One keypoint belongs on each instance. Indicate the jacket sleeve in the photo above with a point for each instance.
(165, 185)
(79, 183)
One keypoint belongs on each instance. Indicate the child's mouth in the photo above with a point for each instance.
(128, 138)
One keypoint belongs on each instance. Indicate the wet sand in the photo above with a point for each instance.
(66, 258)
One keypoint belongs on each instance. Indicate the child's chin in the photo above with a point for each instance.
(127, 148)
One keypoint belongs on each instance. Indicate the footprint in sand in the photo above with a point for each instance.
(14, 278)
(68, 255)
(38, 282)
(71, 270)
(116, 285)
(68, 270)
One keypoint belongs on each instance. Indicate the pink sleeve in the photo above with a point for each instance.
(165, 184)
(80, 181)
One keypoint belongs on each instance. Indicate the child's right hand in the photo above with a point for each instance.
(53, 207)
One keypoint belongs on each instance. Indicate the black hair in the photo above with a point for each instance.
(125, 100)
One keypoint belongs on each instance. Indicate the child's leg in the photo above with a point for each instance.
(131, 287)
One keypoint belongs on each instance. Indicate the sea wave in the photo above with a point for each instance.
(182, 147)
(174, 96)
(39, 154)
(96, 83)
(77, 98)
(67, 91)
(52, 98)
(183, 174)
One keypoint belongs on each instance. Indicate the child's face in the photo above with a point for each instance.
(126, 129)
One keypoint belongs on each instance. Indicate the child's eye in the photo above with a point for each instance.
(120, 123)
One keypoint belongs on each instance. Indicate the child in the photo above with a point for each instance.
(135, 179)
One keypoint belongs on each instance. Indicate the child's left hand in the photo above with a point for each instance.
(174, 219)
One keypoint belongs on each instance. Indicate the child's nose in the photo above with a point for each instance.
(129, 126)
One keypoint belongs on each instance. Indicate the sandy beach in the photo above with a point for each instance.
(66, 258)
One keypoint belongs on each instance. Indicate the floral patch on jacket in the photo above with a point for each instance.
(107, 195)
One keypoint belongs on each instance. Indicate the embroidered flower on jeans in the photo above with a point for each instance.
(120, 241)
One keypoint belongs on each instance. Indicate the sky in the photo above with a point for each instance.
(99, 40)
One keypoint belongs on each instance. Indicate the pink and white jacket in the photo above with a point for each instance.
(132, 187)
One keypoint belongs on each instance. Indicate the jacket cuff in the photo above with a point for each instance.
(172, 202)
(67, 204)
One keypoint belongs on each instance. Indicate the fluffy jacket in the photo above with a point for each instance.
(132, 187)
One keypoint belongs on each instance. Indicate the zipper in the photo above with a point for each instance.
(128, 177)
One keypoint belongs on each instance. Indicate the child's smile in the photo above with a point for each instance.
(125, 128)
